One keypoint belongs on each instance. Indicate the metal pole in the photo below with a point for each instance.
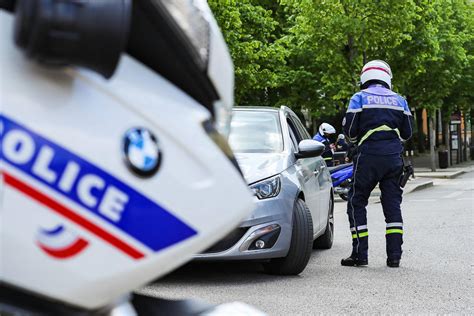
(447, 140)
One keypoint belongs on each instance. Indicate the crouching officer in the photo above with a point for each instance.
(324, 133)
(341, 144)
(377, 120)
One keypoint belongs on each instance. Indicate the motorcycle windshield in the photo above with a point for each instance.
(181, 41)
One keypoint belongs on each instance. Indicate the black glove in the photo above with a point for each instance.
(407, 172)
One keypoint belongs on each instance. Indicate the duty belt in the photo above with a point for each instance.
(383, 128)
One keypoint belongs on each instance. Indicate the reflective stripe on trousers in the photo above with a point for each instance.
(394, 228)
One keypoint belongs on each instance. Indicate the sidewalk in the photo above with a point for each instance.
(425, 178)
(417, 184)
(449, 173)
(423, 162)
(412, 185)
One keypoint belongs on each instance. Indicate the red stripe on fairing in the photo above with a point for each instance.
(71, 215)
(67, 252)
(376, 68)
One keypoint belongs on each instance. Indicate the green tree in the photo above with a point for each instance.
(308, 53)
(333, 39)
(253, 32)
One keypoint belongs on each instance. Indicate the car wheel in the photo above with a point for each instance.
(300, 247)
(325, 241)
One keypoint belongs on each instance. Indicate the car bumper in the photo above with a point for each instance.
(271, 216)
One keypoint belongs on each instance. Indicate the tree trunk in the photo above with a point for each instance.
(465, 136)
(432, 131)
(472, 133)
(419, 127)
(439, 129)
(315, 126)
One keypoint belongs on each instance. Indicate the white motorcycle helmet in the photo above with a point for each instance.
(376, 70)
(109, 184)
(326, 129)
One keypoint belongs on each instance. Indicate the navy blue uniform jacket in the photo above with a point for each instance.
(377, 119)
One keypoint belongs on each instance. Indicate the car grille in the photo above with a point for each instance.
(228, 241)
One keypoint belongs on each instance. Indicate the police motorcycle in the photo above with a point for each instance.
(342, 176)
(113, 168)
(342, 179)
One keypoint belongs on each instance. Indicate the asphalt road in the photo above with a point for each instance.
(436, 275)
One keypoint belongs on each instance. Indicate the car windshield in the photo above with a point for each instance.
(255, 132)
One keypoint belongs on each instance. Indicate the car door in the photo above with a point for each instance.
(319, 171)
(325, 185)
(307, 173)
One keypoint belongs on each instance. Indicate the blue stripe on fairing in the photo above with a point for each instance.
(143, 219)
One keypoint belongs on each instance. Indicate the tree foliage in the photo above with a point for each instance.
(308, 53)
(253, 34)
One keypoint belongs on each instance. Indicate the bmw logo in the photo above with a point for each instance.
(141, 151)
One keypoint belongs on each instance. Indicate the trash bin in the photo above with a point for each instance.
(443, 159)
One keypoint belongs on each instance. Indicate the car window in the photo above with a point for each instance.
(293, 138)
(294, 133)
(255, 132)
(303, 132)
(295, 129)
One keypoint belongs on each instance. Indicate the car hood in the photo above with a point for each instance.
(256, 167)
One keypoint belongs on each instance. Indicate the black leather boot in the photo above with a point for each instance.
(351, 262)
(393, 263)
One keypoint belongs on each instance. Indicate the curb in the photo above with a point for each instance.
(456, 174)
(420, 186)
(408, 189)
(439, 175)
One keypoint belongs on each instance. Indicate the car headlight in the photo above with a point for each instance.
(267, 188)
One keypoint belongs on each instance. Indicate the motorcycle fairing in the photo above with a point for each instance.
(115, 202)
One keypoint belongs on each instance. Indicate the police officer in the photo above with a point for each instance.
(341, 144)
(377, 120)
(324, 133)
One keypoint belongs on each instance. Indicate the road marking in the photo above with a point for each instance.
(454, 194)
(424, 200)
(465, 199)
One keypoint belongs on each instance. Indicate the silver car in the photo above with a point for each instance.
(293, 192)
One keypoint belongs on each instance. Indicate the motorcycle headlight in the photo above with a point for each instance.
(180, 39)
(222, 117)
(221, 142)
(267, 188)
(192, 19)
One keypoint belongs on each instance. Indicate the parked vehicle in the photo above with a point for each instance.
(342, 179)
(106, 185)
(293, 192)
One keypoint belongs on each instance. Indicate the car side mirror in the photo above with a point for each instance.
(309, 148)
